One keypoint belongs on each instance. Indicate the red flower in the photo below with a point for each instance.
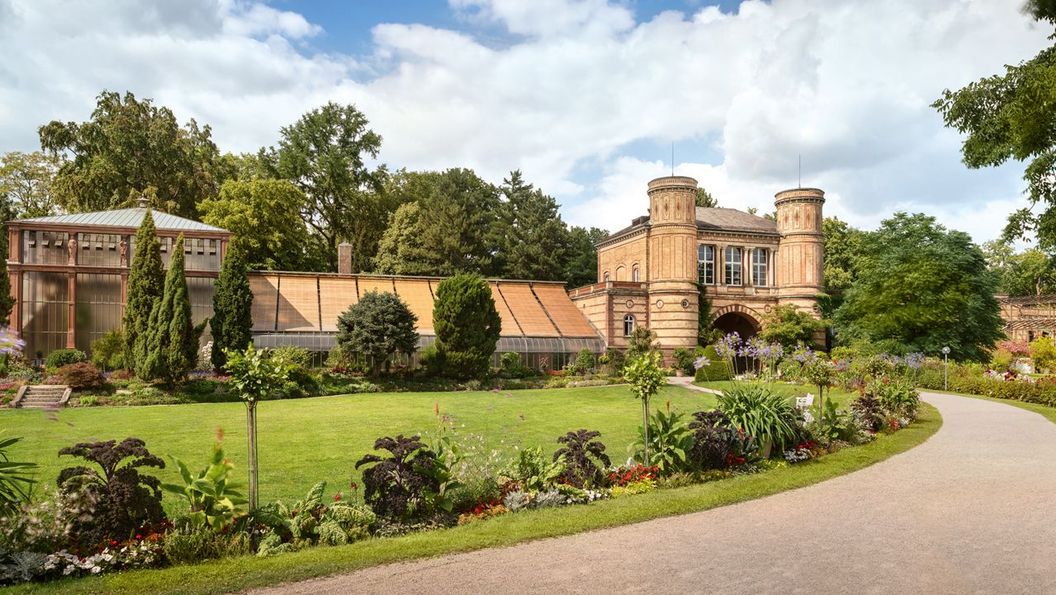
(337, 497)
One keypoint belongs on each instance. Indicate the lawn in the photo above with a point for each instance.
(239, 574)
(303, 441)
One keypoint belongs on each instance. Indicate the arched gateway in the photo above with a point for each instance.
(737, 318)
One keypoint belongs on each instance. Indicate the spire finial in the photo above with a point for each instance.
(142, 202)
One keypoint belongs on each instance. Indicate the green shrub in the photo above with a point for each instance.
(81, 376)
(684, 359)
(584, 363)
(760, 413)
(191, 547)
(716, 369)
(63, 357)
(108, 351)
(613, 360)
(431, 360)
(896, 396)
(670, 440)
(292, 356)
(533, 471)
(377, 327)
(512, 366)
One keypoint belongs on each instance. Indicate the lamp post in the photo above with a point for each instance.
(946, 368)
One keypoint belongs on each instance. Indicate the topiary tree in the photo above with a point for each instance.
(170, 350)
(146, 282)
(377, 327)
(645, 375)
(232, 319)
(467, 325)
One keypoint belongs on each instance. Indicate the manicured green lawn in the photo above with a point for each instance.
(843, 397)
(304, 441)
(236, 574)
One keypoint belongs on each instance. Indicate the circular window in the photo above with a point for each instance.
(630, 303)
(767, 309)
(685, 303)
(659, 304)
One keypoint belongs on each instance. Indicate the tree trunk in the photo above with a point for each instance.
(645, 429)
(251, 433)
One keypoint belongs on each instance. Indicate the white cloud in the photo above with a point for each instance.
(845, 84)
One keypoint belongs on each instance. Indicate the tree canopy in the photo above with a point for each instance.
(326, 153)
(1009, 117)
(132, 148)
(146, 281)
(534, 239)
(705, 199)
(26, 181)
(922, 287)
(265, 216)
(377, 327)
(232, 320)
(467, 325)
(1030, 272)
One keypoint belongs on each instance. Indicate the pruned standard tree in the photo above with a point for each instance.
(377, 327)
(146, 282)
(171, 347)
(467, 326)
(232, 320)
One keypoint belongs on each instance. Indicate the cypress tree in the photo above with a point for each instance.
(232, 318)
(171, 348)
(6, 301)
(145, 283)
(467, 325)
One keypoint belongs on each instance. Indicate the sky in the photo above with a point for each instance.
(585, 97)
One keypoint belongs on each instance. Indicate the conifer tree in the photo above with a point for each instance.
(6, 301)
(232, 318)
(171, 346)
(145, 283)
(467, 325)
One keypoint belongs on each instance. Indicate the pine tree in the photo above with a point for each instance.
(171, 346)
(145, 283)
(535, 241)
(232, 318)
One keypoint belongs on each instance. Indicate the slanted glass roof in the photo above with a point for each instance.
(126, 218)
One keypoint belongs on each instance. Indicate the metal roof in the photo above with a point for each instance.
(126, 218)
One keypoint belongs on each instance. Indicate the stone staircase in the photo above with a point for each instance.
(42, 396)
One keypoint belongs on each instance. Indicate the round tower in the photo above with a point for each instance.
(673, 261)
(801, 252)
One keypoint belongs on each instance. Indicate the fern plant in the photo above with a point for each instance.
(759, 413)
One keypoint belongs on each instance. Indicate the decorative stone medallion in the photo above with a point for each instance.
(630, 303)
(659, 304)
(685, 304)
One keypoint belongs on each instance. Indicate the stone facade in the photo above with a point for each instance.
(648, 273)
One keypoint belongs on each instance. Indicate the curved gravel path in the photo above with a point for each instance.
(971, 510)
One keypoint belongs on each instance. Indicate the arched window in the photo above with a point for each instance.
(628, 325)
(605, 277)
(634, 274)
(620, 274)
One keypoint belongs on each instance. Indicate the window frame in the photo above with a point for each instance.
(731, 265)
(703, 264)
(629, 323)
(764, 279)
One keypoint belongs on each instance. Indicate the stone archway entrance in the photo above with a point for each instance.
(737, 319)
(742, 321)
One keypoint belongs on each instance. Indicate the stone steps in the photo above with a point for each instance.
(42, 396)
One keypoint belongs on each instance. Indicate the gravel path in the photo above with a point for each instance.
(970, 510)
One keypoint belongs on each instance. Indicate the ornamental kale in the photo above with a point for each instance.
(401, 485)
(125, 500)
(583, 457)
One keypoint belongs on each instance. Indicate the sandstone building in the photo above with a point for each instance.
(649, 272)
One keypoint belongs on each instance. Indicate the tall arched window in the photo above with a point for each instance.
(628, 325)
(620, 274)
(605, 277)
(634, 274)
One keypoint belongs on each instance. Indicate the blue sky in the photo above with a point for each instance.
(584, 96)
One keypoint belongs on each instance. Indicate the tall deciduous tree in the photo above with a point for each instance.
(1009, 116)
(922, 287)
(582, 265)
(455, 226)
(326, 155)
(171, 348)
(146, 281)
(1030, 272)
(467, 325)
(132, 148)
(842, 248)
(232, 320)
(265, 216)
(533, 240)
(26, 179)
(377, 327)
